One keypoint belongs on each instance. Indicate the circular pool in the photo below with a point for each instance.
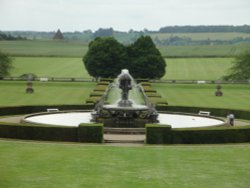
(76, 118)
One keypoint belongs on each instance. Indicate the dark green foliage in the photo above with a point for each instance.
(240, 69)
(161, 134)
(211, 135)
(4, 36)
(18, 110)
(35, 132)
(103, 33)
(158, 134)
(145, 59)
(5, 64)
(58, 35)
(92, 133)
(220, 112)
(205, 29)
(106, 57)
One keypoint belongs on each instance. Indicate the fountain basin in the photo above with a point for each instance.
(76, 118)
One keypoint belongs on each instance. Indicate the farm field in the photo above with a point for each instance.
(203, 36)
(49, 67)
(78, 49)
(13, 93)
(177, 68)
(197, 68)
(27, 164)
(44, 48)
(234, 96)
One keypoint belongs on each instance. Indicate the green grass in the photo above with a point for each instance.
(51, 165)
(197, 68)
(234, 96)
(78, 49)
(177, 68)
(49, 67)
(204, 50)
(44, 48)
(13, 93)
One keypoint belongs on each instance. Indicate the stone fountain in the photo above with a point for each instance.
(125, 113)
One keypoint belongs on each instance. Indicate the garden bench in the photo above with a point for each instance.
(204, 113)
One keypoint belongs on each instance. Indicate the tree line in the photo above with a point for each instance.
(205, 29)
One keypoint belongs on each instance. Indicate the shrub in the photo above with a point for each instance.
(38, 132)
(92, 133)
(158, 134)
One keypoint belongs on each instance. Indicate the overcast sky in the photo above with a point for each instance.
(72, 15)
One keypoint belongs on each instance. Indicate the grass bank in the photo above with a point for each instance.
(13, 93)
(26, 164)
(235, 96)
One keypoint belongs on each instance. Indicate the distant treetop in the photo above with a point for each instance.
(58, 35)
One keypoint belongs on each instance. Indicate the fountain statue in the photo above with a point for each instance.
(125, 113)
(125, 80)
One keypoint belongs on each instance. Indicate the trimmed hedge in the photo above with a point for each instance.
(35, 132)
(211, 135)
(239, 114)
(91, 133)
(18, 110)
(158, 134)
(161, 134)
(83, 133)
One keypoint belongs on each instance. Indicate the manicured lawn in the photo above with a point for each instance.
(197, 68)
(25, 164)
(49, 67)
(234, 96)
(177, 68)
(13, 93)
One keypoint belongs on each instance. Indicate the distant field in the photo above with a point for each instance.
(78, 49)
(197, 68)
(49, 67)
(44, 48)
(202, 36)
(13, 93)
(177, 69)
(204, 50)
(234, 96)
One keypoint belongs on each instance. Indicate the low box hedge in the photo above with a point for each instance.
(162, 134)
(211, 135)
(18, 110)
(90, 133)
(158, 134)
(35, 132)
(239, 114)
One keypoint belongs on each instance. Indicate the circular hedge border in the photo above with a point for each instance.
(155, 134)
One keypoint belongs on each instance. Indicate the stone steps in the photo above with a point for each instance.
(124, 131)
(124, 138)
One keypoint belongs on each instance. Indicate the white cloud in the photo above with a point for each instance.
(119, 14)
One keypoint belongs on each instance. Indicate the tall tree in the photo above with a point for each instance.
(105, 58)
(145, 59)
(5, 64)
(240, 69)
(58, 35)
